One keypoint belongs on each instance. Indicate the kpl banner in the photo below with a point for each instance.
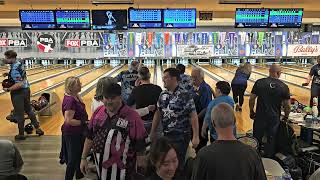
(303, 50)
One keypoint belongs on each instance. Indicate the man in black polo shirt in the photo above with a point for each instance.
(145, 95)
(272, 94)
(315, 86)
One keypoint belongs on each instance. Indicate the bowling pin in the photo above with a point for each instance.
(315, 107)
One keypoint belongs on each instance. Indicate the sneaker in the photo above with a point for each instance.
(39, 132)
(20, 137)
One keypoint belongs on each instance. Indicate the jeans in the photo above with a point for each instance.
(181, 143)
(74, 146)
(21, 103)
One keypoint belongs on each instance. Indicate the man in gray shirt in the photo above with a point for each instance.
(10, 159)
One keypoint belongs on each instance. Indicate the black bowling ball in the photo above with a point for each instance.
(28, 128)
(7, 83)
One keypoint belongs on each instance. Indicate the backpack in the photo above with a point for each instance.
(286, 140)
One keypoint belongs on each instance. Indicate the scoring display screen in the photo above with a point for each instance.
(179, 18)
(109, 20)
(250, 17)
(37, 19)
(145, 18)
(73, 19)
(286, 17)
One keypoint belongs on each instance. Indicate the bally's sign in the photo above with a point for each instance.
(13, 42)
(82, 43)
(303, 50)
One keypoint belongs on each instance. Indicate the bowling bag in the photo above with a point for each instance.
(286, 140)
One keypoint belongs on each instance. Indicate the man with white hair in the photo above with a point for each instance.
(128, 79)
(227, 158)
(202, 98)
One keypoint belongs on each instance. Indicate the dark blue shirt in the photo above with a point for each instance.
(18, 74)
(240, 78)
(203, 96)
(175, 108)
(213, 103)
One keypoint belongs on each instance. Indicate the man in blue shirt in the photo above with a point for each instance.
(202, 98)
(177, 113)
(20, 94)
(222, 91)
(185, 79)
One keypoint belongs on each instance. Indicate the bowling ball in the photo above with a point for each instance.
(307, 109)
(7, 83)
(43, 102)
(36, 106)
(28, 128)
(292, 100)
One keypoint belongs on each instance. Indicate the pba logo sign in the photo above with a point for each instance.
(46, 43)
(13, 42)
(82, 43)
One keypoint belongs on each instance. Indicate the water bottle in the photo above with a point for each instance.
(286, 175)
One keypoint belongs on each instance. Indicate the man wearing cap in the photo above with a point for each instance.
(116, 135)
(128, 79)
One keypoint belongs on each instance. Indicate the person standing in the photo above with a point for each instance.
(202, 98)
(73, 129)
(145, 95)
(117, 137)
(185, 79)
(222, 91)
(98, 97)
(227, 158)
(177, 113)
(20, 94)
(239, 84)
(314, 75)
(128, 79)
(272, 94)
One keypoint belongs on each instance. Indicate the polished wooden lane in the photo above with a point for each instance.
(9, 128)
(285, 70)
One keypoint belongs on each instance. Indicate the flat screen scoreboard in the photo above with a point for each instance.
(37, 19)
(286, 18)
(73, 19)
(109, 19)
(145, 18)
(251, 17)
(179, 18)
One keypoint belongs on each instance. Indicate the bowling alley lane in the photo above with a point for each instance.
(42, 72)
(284, 69)
(300, 93)
(51, 81)
(52, 124)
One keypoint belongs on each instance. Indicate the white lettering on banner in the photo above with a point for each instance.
(13, 42)
(47, 40)
(90, 43)
(17, 42)
(72, 43)
(3, 42)
(303, 50)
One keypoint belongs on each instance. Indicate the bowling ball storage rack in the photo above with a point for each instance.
(44, 111)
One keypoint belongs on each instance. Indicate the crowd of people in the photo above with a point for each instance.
(127, 118)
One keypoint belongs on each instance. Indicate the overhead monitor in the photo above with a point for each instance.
(179, 18)
(73, 19)
(109, 19)
(286, 18)
(251, 17)
(145, 18)
(37, 19)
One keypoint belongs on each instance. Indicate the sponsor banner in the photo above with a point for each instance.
(13, 42)
(82, 43)
(303, 50)
(46, 43)
(195, 51)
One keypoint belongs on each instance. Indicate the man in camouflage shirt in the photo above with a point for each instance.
(177, 112)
